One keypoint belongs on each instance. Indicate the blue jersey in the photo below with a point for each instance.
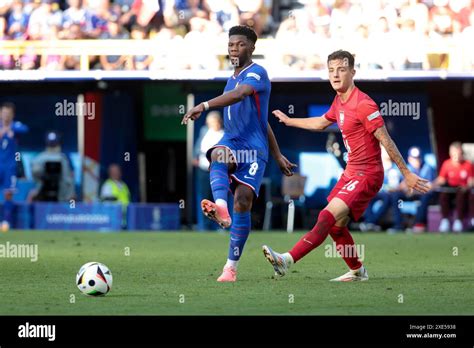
(245, 122)
(8, 145)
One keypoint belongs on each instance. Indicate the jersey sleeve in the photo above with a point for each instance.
(369, 114)
(330, 115)
(257, 79)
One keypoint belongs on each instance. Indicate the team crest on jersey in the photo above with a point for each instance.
(341, 117)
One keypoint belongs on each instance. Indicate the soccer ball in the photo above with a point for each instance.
(94, 279)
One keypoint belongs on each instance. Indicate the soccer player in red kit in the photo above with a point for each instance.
(363, 130)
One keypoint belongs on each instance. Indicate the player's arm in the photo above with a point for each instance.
(311, 123)
(226, 99)
(413, 181)
(286, 166)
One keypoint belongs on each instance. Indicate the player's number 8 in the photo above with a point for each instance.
(253, 168)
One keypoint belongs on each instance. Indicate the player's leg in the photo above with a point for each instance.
(222, 164)
(461, 206)
(239, 231)
(336, 210)
(346, 247)
(445, 203)
(9, 184)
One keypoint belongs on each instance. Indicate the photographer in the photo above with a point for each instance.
(52, 172)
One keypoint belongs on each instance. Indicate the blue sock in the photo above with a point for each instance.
(239, 232)
(8, 207)
(219, 179)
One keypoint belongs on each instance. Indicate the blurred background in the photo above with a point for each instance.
(93, 92)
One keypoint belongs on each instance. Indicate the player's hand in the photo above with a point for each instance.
(282, 117)
(193, 114)
(286, 166)
(414, 182)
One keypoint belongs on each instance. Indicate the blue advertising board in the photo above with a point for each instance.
(153, 217)
(62, 216)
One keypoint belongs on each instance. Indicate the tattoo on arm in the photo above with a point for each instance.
(384, 138)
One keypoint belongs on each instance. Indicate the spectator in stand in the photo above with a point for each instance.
(52, 61)
(6, 61)
(455, 181)
(250, 14)
(43, 18)
(180, 12)
(72, 62)
(223, 12)
(464, 15)
(115, 32)
(17, 21)
(418, 12)
(100, 16)
(443, 21)
(140, 62)
(468, 37)
(425, 171)
(77, 14)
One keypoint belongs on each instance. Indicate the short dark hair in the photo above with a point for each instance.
(456, 144)
(341, 54)
(244, 30)
(9, 105)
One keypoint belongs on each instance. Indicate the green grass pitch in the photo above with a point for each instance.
(175, 274)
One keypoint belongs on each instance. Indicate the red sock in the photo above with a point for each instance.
(345, 243)
(315, 237)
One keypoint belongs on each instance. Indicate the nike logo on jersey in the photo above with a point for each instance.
(307, 241)
(248, 177)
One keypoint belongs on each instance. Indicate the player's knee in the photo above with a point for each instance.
(242, 203)
(218, 154)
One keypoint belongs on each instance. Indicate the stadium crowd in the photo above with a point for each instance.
(385, 24)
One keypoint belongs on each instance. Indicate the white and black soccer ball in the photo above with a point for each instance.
(94, 279)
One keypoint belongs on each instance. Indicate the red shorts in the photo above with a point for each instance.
(357, 190)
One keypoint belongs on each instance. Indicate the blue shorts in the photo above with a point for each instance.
(7, 178)
(250, 166)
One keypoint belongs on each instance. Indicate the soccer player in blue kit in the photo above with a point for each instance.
(238, 160)
(8, 152)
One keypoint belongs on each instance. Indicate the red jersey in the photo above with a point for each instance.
(456, 174)
(358, 117)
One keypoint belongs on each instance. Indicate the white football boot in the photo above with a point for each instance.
(280, 262)
(353, 276)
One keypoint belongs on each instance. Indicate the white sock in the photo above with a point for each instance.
(232, 263)
(288, 258)
(221, 202)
